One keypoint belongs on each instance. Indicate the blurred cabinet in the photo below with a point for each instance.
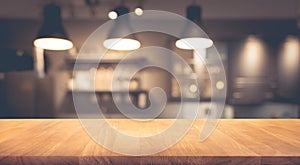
(90, 75)
(200, 68)
(267, 110)
(251, 90)
(103, 79)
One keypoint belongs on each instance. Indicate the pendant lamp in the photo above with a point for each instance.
(52, 35)
(117, 38)
(191, 36)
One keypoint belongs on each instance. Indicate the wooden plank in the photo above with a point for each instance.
(235, 141)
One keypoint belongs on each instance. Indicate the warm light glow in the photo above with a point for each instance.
(138, 11)
(39, 63)
(121, 44)
(253, 50)
(220, 85)
(291, 51)
(193, 43)
(53, 43)
(253, 59)
(112, 15)
(289, 63)
(198, 57)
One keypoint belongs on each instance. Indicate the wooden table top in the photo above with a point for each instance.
(235, 141)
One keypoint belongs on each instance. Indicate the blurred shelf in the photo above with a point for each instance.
(109, 92)
(110, 61)
(178, 99)
(86, 64)
(192, 76)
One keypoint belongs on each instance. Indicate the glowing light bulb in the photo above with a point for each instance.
(220, 85)
(112, 15)
(138, 11)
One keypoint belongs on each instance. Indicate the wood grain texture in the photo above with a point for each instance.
(236, 141)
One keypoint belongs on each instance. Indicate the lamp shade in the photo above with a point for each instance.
(191, 37)
(52, 35)
(118, 38)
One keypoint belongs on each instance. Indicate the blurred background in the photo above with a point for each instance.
(258, 42)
